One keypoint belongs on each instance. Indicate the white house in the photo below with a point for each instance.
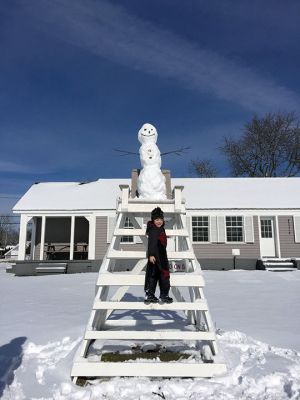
(254, 217)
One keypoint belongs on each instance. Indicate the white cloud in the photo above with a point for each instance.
(8, 166)
(13, 167)
(111, 32)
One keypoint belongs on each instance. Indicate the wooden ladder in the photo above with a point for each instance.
(186, 287)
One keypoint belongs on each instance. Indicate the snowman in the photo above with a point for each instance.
(151, 182)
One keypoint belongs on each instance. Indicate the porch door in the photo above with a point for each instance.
(267, 237)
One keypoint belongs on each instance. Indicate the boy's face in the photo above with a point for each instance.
(158, 222)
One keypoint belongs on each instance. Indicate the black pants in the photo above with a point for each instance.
(153, 275)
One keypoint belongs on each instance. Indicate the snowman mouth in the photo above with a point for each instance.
(152, 134)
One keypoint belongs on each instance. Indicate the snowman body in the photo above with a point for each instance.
(151, 182)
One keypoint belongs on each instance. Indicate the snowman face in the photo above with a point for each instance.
(150, 155)
(147, 134)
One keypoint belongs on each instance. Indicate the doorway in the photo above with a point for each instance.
(267, 237)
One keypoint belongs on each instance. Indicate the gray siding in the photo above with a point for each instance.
(288, 246)
(101, 237)
(224, 250)
(202, 251)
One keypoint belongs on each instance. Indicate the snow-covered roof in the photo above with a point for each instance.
(96, 195)
(200, 193)
(242, 193)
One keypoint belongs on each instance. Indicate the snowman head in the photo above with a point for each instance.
(147, 134)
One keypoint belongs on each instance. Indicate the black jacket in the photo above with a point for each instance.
(157, 245)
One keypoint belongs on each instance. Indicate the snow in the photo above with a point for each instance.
(200, 193)
(256, 314)
(151, 181)
(240, 193)
(100, 194)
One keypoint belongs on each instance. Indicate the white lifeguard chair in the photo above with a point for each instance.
(112, 285)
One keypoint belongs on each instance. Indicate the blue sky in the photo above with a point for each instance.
(78, 78)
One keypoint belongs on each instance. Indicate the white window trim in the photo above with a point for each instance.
(129, 243)
(191, 228)
(243, 228)
(268, 230)
(134, 241)
(197, 214)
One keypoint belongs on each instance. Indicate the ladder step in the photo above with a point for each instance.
(177, 232)
(164, 369)
(140, 305)
(172, 255)
(127, 279)
(149, 335)
(112, 324)
(142, 232)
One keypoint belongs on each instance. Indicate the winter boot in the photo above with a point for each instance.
(150, 298)
(166, 299)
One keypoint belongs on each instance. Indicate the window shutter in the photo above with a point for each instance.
(111, 222)
(248, 229)
(140, 221)
(213, 229)
(188, 223)
(297, 228)
(221, 229)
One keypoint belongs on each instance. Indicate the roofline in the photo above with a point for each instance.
(187, 209)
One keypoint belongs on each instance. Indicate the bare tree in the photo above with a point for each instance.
(8, 235)
(203, 168)
(269, 147)
(4, 229)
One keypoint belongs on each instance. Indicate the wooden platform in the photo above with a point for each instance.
(86, 368)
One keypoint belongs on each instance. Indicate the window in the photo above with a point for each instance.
(266, 228)
(127, 225)
(200, 229)
(234, 229)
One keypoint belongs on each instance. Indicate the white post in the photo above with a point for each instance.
(124, 196)
(43, 228)
(92, 237)
(178, 197)
(22, 237)
(33, 235)
(276, 233)
(72, 237)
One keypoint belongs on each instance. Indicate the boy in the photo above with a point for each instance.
(158, 264)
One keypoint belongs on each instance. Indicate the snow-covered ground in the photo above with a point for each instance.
(256, 314)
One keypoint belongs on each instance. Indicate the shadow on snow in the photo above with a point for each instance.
(10, 359)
